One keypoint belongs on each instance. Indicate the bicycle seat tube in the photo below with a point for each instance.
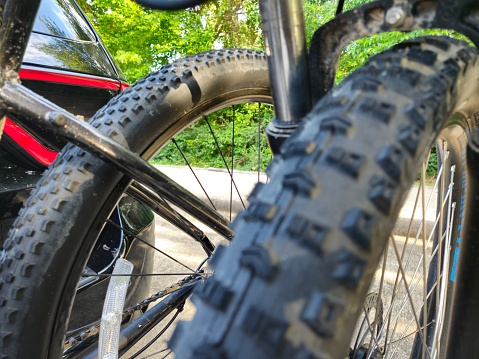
(17, 21)
(285, 42)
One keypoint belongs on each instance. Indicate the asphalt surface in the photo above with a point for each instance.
(221, 193)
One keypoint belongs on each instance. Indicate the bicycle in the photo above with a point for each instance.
(368, 136)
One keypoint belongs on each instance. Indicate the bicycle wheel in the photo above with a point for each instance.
(45, 257)
(295, 279)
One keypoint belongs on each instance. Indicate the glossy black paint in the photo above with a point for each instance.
(62, 19)
(63, 42)
(15, 176)
(64, 54)
(79, 100)
(15, 180)
(62, 39)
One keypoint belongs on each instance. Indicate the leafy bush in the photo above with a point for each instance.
(141, 40)
(209, 142)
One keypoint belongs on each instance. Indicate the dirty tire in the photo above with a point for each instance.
(293, 282)
(56, 230)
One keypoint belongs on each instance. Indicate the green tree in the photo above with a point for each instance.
(142, 39)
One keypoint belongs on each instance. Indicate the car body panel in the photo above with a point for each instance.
(66, 63)
(58, 53)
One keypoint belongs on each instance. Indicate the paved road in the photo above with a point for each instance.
(217, 183)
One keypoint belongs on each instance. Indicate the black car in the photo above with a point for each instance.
(67, 63)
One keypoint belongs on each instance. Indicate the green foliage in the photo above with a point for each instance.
(202, 149)
(358, 52)
(141, 40)
(431, 169)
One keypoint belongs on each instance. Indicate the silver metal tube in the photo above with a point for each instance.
(285, 41)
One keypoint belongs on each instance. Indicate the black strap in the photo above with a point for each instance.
(170, 4)
(340, 7)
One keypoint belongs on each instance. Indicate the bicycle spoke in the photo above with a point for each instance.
(150, 343)
(371, 330)
(259, 140)
(224, 160)
(410, 334)
(396, 282)
(403, 333)
(406, 286)
(158, 352)
(440, 283)
(409, 257)
(232, 161)
(405, 299)
(444, 270)
(358, 342)
(381, 285)
(193, 172)
(149, 245)
(413, 285)
(424, 234)
(142, 275)
(162, 208)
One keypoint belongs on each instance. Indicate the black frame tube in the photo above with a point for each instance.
(285, 42)
(31, 107)
(462, 331)
(134, 331)
(17, 22)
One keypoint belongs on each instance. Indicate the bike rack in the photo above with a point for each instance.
(25, 103)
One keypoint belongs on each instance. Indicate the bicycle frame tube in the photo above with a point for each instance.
(16, 25)
(285, 40)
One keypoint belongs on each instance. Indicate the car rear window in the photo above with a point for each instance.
(62, 18)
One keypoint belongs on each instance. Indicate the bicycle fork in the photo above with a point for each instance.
(285, 43)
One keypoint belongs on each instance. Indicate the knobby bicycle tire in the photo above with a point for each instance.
(50, 242)
(294, 280)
